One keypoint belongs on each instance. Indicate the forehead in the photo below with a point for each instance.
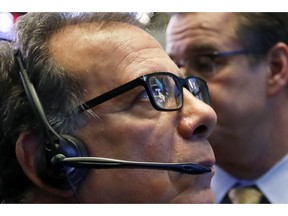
(107, 57)
(100, 46)
(88, 39)
(216, 30)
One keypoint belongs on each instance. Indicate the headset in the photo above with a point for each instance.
(63, 162)
(55, 144)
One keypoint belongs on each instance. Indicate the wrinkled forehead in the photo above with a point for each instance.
(94, 43)
(207, 20)
(207, 31)
(108, 57)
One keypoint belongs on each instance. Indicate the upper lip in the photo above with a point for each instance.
(207, 163)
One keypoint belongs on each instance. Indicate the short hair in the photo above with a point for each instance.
(259, 32)
(62, 90)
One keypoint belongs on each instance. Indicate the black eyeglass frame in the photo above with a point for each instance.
(143, 81)
(214, 55)
(217, 54)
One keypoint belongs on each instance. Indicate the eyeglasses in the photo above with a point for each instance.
(205, 63)
(165, 91)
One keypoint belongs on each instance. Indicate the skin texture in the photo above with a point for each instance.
(250, 101)
(128, 127)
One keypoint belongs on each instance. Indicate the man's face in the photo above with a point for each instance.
(236, 88)
(128, 127)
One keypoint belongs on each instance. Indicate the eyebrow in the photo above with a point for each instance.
(200, 48)
(193, 50)
(196, 49)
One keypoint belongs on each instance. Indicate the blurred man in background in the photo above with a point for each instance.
(244, 59)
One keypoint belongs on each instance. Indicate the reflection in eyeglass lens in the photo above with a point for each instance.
(163, 91)
(195, 88)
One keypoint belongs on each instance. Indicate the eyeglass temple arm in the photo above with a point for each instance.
(231, 53)
(110, 94)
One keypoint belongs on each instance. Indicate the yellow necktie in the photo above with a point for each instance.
(245, 195)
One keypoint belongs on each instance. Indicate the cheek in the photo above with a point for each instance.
(126, 186)
(120, 137)
(237, 95)
(128, 138)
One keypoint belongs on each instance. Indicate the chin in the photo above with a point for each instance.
(204, 196)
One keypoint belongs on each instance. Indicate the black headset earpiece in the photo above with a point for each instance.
(54, 144)
(62, 177)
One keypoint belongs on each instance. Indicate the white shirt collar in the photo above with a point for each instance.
(273, 183)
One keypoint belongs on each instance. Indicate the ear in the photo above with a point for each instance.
(278, 65)
(26, 147)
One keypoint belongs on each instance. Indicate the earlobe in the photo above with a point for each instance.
(26, 149)
(278, 65)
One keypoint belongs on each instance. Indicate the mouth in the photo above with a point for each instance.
(201, 167)
(208, 164)
(195, 169)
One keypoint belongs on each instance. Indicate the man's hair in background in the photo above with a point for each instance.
(259, 32)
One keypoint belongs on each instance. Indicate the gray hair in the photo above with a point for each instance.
(58, 90)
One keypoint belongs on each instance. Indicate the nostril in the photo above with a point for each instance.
(202, 129)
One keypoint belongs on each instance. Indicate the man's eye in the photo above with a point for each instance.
(201, 64)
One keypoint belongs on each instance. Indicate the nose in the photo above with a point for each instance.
(197, 119)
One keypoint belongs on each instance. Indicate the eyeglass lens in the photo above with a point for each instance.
(199, 89)
(167, 90)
